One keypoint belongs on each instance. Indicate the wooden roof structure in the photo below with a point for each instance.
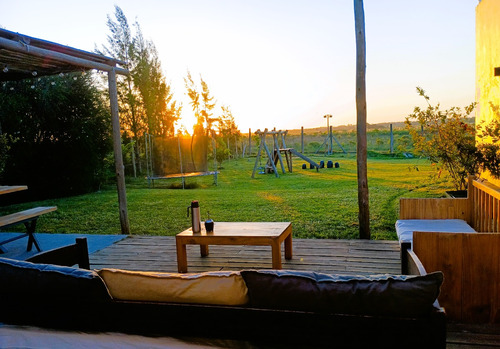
(22, 57)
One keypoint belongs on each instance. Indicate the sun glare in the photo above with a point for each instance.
(186, 122)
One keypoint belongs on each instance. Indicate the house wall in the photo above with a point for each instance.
(487, 59)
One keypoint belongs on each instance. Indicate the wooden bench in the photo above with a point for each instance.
(28, 218)
(470, 261)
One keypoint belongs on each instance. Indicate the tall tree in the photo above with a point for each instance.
(208, 104)
(227, 125)
(194, 96)
(146, 100)
(121, 46)
(155, 94)
(202, 104)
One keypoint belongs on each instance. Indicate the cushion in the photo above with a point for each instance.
(50, 282)
(406, 227)
(221, 288)
(389, 295)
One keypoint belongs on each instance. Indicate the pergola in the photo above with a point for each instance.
(23, 57)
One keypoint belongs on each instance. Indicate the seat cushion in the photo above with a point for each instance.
(221, 288)
(406, 227)
(26, 280)
(387, 295)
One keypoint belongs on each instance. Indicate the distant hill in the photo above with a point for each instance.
(350, 128)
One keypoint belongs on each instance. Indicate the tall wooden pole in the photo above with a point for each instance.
(364, 211)
(392, 141)
(302, 139)
(117, 148)
(249, 142)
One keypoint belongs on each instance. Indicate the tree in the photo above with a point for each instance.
(227, 125)
(156, 97)
(208, 105)
(447, 139)
(194, 96)
(146, 100)
(61, 129)
(121, 46)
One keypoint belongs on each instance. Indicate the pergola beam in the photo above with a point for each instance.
(57, 56)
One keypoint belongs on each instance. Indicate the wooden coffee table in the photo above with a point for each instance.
(237, 233)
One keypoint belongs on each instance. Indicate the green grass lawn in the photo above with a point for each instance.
(319, 204)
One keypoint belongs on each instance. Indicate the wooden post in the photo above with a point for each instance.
(331, 141)
(249, 142)
(257, 158)
(392, 141)
(363, 203)
(302, 139)
(133, 159)
(117, 147)
(236, 147)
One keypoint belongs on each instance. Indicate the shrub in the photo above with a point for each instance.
(446, 139)
(62, 128)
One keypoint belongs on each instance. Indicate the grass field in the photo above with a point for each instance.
(319, 204)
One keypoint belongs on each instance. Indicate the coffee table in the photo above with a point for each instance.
(237, 233)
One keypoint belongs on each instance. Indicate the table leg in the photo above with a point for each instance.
(276, 252)
(288, 246)
(181, 257)
(204, 250)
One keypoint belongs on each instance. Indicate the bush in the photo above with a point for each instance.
(446, 139)
(62, 129)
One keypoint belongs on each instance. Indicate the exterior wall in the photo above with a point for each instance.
(487, 58)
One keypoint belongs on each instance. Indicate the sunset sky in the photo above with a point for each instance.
(284, 63)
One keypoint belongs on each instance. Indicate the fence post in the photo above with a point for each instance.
(392, 141)
(302, 139)
(249, 142)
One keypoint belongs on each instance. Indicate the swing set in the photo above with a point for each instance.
(276, 157)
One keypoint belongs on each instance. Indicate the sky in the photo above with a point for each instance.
(284, 63)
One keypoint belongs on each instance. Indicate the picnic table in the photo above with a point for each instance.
(27, 217)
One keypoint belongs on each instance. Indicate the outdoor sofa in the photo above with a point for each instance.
(262, 308)
(460, 237)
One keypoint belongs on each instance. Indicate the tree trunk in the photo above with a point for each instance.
(363, 203)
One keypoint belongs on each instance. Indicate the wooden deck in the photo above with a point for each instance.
(158, 253)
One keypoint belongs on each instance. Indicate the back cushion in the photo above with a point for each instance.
(222, 288)
(50, 282)
(398, 295)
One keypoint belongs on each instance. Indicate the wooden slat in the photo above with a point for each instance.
(445, 208)
(434, 248)
(470, 263)
(25, 215)
(6, 189)
(488, 188)
(481, 276)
